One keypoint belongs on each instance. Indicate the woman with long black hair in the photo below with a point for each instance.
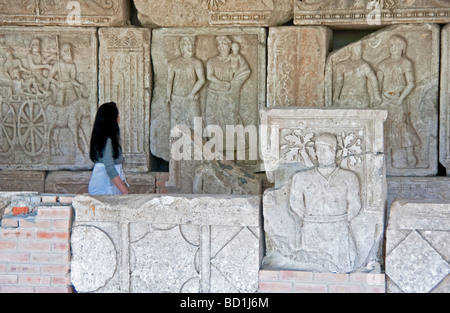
(107, 176)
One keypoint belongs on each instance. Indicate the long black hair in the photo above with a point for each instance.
(105, 127)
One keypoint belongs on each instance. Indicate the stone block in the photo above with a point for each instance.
(395, 69)
(194, 79)
(22, 181)
(125, 77)
(330, 185)
(417, 247)
(48, 97)
(296, 66)
(204, 13)
(417, 188)
(370, 14)
(64, 13)
(166, 244)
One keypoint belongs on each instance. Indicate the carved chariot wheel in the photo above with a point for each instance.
(8, 127)
(32, 128)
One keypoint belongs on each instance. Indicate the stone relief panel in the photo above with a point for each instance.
(417, 255)
(296, 66)
(64, 12)
(48, 97)
(216, 74)
(326, 212)
(396, 69)
(166, 244)
(213, 175)
(125, 77)
(203, 13)
(370, 13)
(444, 118)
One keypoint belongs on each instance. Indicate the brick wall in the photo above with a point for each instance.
(35, 246)
(307, 282)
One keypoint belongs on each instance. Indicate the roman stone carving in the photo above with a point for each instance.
(166, 244)
(215, 74)
(125, 78)
(296, 66)
(326, 212)
(48, 97)
(203, 13)
(417, 258)
(391, 70)
(64, 12)
(369, 13)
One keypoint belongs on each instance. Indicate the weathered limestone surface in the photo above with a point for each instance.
(444, 120)
(329, 215)
(203, 13)
(198, 75)
(64, 12)
(417, 241)
(214, 174)
(22, 181)
(370, 14)
(395, 69)
(48, 97)
(125, 77)
(417, 188)
(296, 66)
(166, 244)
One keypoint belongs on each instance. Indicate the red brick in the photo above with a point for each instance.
(55, 212)
(14, 257)
(346, 288)
(55, 269)
(310, 288)
(330, 277)
(49, 235)
(34, 246)
(16, 289)
(8, 279)
(8, 245)
(296, 276)
(16, 234)
(61, 224)
(60, 280)
(268, 275)
(23, 268)
(275, 287)
(53, 289)
(37, 224)
(9, 222)
(34, 280)
(20, 211)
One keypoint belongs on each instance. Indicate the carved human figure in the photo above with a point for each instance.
(226, 75)
(63, 75)
(39, 64)
(353, 76)
(186, 76)
(325, 199)
(397, 80)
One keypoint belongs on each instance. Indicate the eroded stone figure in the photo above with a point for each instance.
(353, 77)
(396, 77)
(325, 199)
(226, 73)
(186, 77)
